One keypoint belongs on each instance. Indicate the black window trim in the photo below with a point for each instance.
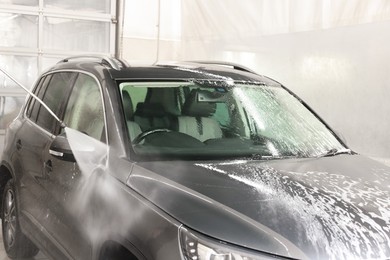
(31, 101)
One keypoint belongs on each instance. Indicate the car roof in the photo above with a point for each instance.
(173, 70)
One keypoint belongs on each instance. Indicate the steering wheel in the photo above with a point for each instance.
(143, 135)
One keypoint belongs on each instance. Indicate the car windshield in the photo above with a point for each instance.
(206, 119)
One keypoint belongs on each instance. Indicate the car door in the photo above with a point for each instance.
(83, 113)
(32, 139)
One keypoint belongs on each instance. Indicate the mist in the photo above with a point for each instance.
(98, 201)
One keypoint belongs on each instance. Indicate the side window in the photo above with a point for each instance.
(53, 97)
(33, 107)
(84, 111)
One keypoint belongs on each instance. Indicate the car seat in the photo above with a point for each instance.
(133, 128)
(151, 116)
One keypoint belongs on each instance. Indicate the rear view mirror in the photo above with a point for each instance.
(211, 97)
(60, 149)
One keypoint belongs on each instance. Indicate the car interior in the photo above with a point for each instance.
(167, 108)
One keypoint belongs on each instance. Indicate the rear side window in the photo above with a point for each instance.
(222, 114)
(53, 96)
(33, 107)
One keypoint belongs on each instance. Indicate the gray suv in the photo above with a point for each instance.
(190, 160)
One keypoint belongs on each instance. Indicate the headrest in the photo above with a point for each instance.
(127, 105)
(150, 110)
(192, 106)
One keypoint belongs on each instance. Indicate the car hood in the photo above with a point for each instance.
(315, 208)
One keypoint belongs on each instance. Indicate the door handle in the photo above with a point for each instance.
(18, 144)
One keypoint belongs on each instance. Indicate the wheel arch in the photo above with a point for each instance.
(112, 249)
(5, 176)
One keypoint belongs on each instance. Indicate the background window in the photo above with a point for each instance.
(13, 28)
(9, 109)
(98, 6)
(76, 34)
(20, 2)
(23, 68)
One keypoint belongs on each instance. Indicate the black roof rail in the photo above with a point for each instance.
(226, 64)
(114, 63)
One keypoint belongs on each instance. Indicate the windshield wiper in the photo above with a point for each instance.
(334, 151)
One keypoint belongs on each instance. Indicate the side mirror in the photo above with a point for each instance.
(60, 149)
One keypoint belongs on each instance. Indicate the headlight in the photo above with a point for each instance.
(197, 247)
